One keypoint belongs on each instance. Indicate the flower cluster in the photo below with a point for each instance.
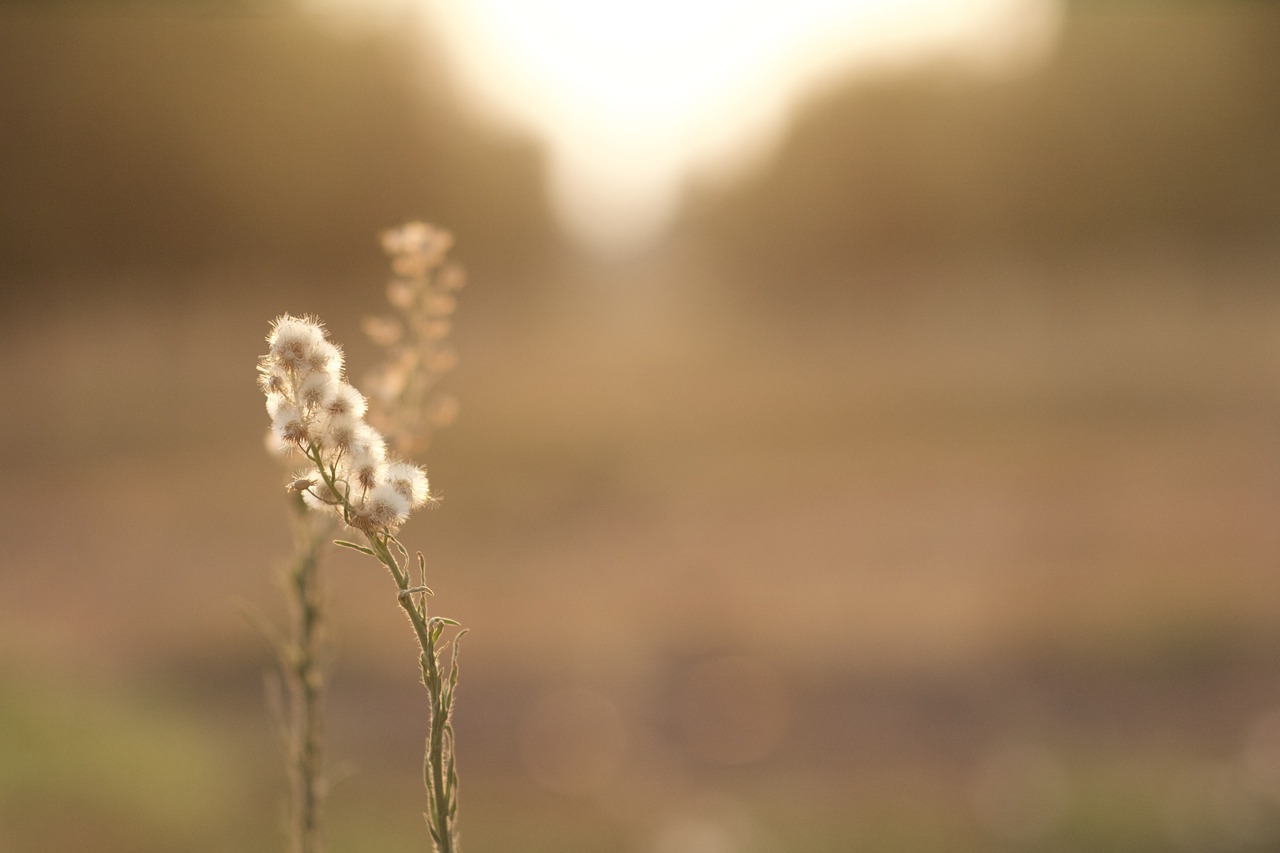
(404, 402)
(315, 412)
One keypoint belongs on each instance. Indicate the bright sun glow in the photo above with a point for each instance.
(633, 98)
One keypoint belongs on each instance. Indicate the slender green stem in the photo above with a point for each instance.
(440, 770)
(441, 814)
(304, 675)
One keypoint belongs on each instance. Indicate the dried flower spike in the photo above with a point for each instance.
(404, 402)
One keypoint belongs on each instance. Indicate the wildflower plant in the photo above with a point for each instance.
(404, 401)
(348, 475)
(302, 653)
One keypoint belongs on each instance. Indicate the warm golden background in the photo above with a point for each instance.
(919, 490)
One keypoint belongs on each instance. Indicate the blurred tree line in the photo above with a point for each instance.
(225, 133)
(160, 137)
(1152, 128)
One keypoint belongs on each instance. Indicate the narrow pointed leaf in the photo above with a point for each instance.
(342, 543)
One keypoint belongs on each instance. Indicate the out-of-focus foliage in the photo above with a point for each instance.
(1151, 127)
(140, 138)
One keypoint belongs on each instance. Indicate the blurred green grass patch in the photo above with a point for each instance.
(89, 766)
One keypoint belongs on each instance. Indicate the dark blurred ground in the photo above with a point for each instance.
(920, 494)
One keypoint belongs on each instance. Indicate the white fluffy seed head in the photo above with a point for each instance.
(410, 481)
(344, 399)
(289, 425)
(369, 444)
(326, 358)
(275, 444)
(294, 341)
(366, 457)
(383, 507)
(271, 378)
(314, 389)
(274, 402)
(364, 474)
(337, 432)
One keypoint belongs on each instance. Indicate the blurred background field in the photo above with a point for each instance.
(914, 487)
